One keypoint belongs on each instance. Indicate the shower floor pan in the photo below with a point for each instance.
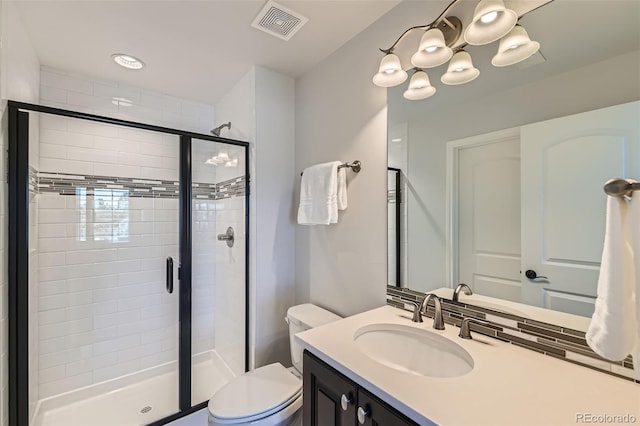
(136, 402)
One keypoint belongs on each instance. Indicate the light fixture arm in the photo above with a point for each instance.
(417, 27)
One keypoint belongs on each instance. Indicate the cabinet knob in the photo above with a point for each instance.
(362, 415)
(345, 401)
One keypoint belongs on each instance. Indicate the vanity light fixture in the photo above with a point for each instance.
(446, 37)
(127, 61)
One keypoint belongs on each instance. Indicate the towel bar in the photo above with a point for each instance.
(356, 166)
(620, 187)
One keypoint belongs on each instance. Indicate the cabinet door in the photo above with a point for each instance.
(374, 412)
(323, 389)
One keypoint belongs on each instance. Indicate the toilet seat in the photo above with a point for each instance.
(255, 395)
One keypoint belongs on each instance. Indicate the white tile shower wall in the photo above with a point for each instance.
(238, 106)
(230, 291)
(103, 308)
(82, 93)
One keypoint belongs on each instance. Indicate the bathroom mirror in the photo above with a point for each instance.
(589, 60)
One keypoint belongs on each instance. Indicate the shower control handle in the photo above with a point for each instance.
(228, 236)
(169, 279)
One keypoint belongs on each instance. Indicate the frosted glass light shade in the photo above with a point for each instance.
(390, 72)
(433, 50)
(419, 87)
(515, 47)
(491, 21)
(461, 70)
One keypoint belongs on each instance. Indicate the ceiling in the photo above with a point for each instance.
(192, 49)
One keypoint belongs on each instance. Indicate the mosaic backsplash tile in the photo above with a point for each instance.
(70, 184)
(548, 339)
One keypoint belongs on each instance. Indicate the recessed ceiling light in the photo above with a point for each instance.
(127, 61)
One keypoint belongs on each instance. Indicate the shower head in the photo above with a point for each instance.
(216, 131)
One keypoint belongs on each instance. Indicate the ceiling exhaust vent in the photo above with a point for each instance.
(278, 21)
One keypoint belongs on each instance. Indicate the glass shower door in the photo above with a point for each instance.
(219, 266)
(127, 268)
(104, 281)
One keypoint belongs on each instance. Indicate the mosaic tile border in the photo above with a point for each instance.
(548, 339)
(68, 184)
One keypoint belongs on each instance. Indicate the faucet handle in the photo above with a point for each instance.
(465, 329)
(417, 316)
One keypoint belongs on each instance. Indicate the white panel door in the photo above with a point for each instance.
(488, 206)
(565, 163)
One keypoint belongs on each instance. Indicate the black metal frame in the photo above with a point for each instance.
(18, 266)
(398, 172)
(18, 255)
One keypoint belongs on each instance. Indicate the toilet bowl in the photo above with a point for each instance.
(270, 395)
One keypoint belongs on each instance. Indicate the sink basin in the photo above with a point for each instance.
(413, 350)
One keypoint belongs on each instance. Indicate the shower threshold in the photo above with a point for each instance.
(136, 399)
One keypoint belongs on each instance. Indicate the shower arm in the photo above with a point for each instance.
(216, 131)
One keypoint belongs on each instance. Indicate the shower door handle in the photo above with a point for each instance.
(169, 278)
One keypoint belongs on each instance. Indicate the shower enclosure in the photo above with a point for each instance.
(128, 298)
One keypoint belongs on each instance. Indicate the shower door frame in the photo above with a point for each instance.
(18, 253)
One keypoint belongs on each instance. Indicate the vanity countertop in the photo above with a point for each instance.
(508, 385)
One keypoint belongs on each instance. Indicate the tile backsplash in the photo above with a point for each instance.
(548, 339)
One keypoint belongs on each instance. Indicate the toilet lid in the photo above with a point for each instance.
(256, 393)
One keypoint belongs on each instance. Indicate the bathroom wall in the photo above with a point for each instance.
(261, 107)
(341, 115)
(19, 77)
(104, 311)
(506, 109)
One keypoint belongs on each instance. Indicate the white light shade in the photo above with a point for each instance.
(433, 51)
(461, 70)
(491, 21)
(390, 72)
(515, 47)
(419, 87)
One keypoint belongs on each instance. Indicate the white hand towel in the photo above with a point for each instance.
(634, 234)
(613, 329)
(342, 188)
(319, 195)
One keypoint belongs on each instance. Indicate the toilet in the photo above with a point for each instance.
(269, 395)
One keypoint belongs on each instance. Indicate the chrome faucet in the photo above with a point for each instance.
(465, 329)
(465, 289)
(421, 309)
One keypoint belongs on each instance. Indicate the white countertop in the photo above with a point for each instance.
(508, 385)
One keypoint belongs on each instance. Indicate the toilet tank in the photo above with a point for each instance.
(301, 318)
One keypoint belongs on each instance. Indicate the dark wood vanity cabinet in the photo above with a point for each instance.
(331, 399)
